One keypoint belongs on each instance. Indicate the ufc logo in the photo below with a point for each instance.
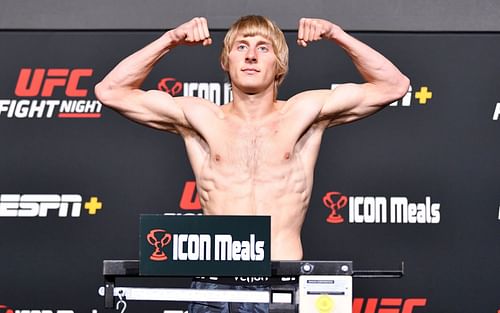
(32, 83)
(5, 309)
(387, 305)
(190, 199)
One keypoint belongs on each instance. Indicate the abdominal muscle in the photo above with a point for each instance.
(276, 188)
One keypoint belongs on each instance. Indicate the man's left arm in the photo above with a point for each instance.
(384, 83)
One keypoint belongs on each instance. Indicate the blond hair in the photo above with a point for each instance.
(253, 25)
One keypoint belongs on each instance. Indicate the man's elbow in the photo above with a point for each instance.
(104, 93)
(401, 87)
(100, 91)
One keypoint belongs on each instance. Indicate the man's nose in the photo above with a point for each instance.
(251, 56)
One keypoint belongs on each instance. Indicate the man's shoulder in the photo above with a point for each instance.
(198, 105)
(309, 95)
(309, 101)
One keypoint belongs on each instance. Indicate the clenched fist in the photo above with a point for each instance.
(312, 29)
(192, 32)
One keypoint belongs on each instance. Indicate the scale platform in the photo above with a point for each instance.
(323, 287)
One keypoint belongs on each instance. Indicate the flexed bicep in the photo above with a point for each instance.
(153, 108)
(384, 82)
(121, 89)
(350, 102)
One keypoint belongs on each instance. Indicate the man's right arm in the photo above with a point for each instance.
(121, 88)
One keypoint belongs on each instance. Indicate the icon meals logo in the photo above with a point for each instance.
(218, 93)
(204, 247)
(158, 254)
(380, 210)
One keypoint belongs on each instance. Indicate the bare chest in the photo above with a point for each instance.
(253, 147)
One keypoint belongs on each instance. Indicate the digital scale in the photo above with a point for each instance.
(323, 287)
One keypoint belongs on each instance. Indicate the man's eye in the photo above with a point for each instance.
(241, 47)
(263, 48)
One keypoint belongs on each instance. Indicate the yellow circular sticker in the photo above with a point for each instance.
(324, 304)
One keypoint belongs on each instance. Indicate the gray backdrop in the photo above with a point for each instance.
(444, 151)
(392, 15)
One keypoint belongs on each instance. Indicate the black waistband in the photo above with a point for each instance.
(251, 280)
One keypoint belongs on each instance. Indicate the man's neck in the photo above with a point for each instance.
(253, 106)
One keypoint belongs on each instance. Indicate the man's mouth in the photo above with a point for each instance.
(250, 70)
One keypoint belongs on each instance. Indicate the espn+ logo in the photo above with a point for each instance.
(45, 83)
(380, 210)
(45, 205)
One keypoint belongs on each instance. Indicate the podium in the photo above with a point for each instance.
(324, 287)
(230, 246)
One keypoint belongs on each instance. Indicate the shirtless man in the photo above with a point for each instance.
(256, 154)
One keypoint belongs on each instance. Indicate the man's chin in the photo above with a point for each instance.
(252, 89)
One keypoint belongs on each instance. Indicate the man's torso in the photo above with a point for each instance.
(262, 167)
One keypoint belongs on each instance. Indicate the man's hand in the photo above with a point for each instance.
(312, 29)
(191, 33)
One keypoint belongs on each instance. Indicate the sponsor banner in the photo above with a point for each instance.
(36, 88)
(205, 245)
(47, 205)
(217, 92)
(380, 210)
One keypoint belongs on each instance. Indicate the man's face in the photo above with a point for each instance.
(252, 63)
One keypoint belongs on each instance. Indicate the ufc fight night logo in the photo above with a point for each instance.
(43, 84)
(380, 210)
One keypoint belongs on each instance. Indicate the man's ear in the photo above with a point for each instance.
(223, 67)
